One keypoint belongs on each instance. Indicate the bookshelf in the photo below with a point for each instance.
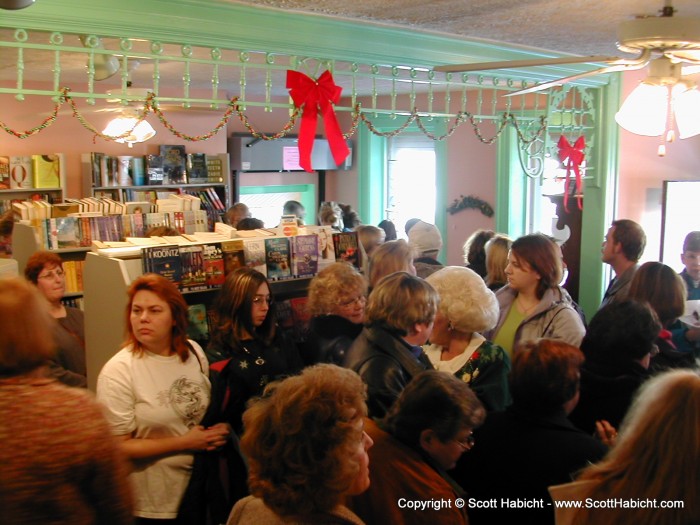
(215, 204)
(50, 194)
(106, 281)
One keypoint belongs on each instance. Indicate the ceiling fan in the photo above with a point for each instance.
(665, 42)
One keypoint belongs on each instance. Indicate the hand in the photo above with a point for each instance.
(693, 334)
(606, 432)
(200, 439)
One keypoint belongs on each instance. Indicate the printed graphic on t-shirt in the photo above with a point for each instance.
(187, 398)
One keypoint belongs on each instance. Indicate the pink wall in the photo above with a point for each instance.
(642, 173)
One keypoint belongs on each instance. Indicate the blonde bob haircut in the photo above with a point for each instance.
(25, 325)
(656, 456)
(400, 301)
(300, 438)
(497, 249)
(390, 257)
(465, 300)
(332, 286)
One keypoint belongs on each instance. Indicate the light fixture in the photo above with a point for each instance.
(125, 123)
(15, 4)
(646, 109)
(104, 65)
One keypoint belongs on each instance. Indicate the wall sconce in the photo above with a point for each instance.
(15, 4)
(646, 110)
(124, 123)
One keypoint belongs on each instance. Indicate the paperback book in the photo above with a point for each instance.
(278, 258)
(346, 246)
(163, 260)
(214, 265)
(304, 255)
(198, 326)
(174, 164)
(254, 253)
(233, 253)
(194, 276)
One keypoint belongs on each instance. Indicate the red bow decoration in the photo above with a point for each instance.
(573, 157)
(317, 95)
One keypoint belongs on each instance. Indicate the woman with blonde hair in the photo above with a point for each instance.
(497, 249)
(467, 307)
(390, 257)
(58, 461)
(654, 463)
(307, 450)
(336, 304)
(387, 354)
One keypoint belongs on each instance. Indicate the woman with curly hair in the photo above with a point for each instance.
(337, 298)
(307, 450)
(655, 458)
(466, 308)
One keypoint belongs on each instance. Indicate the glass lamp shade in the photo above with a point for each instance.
(120, 125)
(105, 66)
(645, 110)
(686, 110)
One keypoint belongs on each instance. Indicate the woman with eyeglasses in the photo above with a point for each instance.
(45, 270)
(422, 436)
(336, 304)
(246, 350)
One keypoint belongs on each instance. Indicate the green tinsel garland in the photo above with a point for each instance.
(470, 202)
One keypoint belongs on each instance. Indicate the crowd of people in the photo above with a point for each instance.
(416, 386)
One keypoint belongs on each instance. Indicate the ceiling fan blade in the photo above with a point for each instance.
(561, 81)
(512, 64)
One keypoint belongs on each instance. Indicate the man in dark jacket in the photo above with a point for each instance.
(387, 353)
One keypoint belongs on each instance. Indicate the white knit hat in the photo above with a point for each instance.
(425, 237)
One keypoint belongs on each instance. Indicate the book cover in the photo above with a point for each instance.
(283, 311)
(124, 176)
(197, 168)
(254, 251)
(215, 169)
(47, 171)
(108, 170)
(214, 265)
(233, 254)
(194, 276)
(174, 164)
(154, 170)
(304, 255)
(278, 258)
(346, 246)
(4, 173)
(21, 174)
(163, 260)
(198, 325)
(326, 249)
(67, 232)
(138, 172)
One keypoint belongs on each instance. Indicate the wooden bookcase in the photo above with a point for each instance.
(106, 281)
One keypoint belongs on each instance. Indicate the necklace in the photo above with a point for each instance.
(258, 361)
(525, 310)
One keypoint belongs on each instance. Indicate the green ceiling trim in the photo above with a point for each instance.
(216, 23)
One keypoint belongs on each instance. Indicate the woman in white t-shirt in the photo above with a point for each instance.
(156, 390)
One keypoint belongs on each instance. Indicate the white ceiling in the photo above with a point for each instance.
(581, 27)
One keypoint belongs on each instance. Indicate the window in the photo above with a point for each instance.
(411, 179)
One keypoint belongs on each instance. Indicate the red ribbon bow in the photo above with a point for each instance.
(572, 156)
(317, 95)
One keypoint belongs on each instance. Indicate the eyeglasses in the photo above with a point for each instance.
(259, 299)
(52, 274)
(466, 443)
(359, 299)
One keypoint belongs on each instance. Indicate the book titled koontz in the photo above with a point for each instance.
(163, 260)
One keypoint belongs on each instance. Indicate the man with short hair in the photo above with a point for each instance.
(687, 338)
(623, 246)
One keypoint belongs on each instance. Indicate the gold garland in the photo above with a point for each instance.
(150, 105)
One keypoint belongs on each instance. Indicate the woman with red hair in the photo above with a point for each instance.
(156, 391)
